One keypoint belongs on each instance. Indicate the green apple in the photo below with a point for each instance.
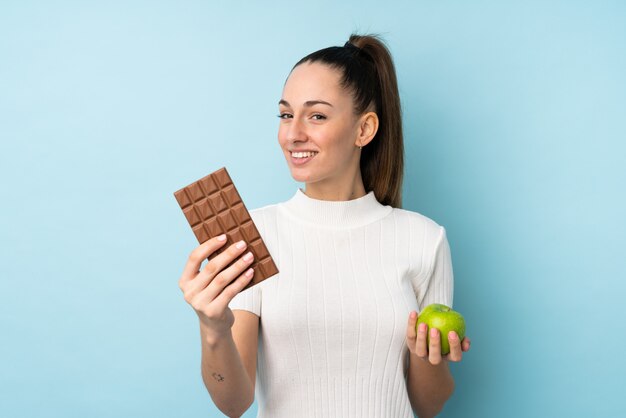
(445, 320)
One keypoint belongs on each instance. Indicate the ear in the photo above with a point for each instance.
(368, 126)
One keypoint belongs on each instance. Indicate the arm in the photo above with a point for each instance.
(228, 345)
(229, 364)
(429, 386)
(429, 381)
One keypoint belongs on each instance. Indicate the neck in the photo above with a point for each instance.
(336, 192)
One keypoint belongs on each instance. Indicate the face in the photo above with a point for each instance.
(317, 118)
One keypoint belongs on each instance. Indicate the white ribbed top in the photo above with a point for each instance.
(332, 339)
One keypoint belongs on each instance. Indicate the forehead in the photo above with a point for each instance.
(313, 81)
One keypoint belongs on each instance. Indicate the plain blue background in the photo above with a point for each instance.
(515, 126)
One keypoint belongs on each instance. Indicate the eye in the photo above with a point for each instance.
(283, 115)
(317, 116)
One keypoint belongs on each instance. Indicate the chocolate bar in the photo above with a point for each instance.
(212, 206)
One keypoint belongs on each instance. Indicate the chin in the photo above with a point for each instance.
(300, 177)
(304, 175)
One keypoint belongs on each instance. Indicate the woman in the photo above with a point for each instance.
(334, 332)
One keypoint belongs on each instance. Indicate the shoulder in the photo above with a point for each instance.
(263, 212)
(265, 219)
(416, 222)
(264, 209)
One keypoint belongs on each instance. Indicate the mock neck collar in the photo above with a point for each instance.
(336, 214)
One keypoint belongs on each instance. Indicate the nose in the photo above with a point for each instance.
(296, 130)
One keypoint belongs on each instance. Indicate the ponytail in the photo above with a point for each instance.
(369, 73)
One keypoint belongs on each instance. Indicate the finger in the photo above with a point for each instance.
(198, 255)
(208, 295)
(465, 344)
(226, 276)
(421, 346)
(434, 347)
(411, 333)
(220, 261)
(203, 279)
(456, 354)
(224, 298)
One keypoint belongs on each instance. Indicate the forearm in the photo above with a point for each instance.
(225, 376)
(429, 386)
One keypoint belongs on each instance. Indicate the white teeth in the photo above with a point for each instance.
(303, 154)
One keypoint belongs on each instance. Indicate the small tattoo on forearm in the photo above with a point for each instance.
(218, 377)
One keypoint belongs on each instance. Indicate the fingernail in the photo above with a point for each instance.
(412, 315)
(241, 244)
(250, 272)
(433, 332)
(222, 237)
(247, 257)
(422, 327)
(452, 335)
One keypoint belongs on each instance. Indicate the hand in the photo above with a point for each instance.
(210, 290)
(419, 347)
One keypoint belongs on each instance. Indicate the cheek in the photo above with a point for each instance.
(343, 140)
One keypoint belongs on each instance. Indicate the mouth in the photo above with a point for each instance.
(300, 158)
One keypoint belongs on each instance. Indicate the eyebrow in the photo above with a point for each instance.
(308, 103)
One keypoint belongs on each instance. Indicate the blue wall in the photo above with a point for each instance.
(515, 129)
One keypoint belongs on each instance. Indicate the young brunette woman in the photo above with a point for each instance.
(333, 334)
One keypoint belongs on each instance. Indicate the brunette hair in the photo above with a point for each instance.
(370, 75)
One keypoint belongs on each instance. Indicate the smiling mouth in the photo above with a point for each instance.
(303, 154)
(299, 158)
